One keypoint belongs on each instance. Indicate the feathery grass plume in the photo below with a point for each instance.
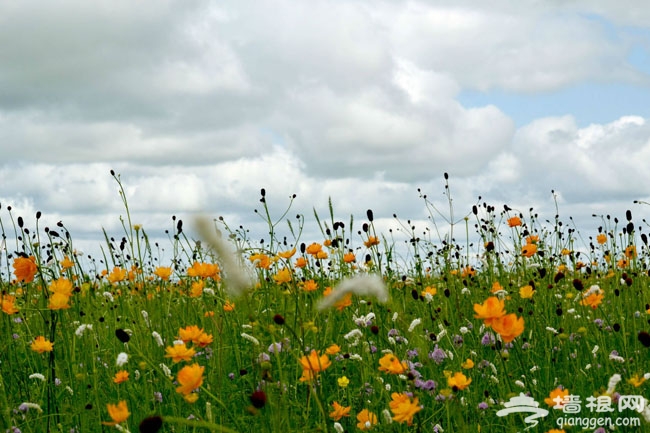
(360, 285)
(236, 277)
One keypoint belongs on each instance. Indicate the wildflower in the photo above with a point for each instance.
(250, 338)
(156, 336)
(508, 327)
(366, 420)
(630, 252)
(180, 352)
(301, 262)
(458, 380)
(203, 340)
(41, 344)
(413, 324)
(260, 260)
(391, 364)
(25, 269)
(8, 306)
(515, 221)
(228, 306)
(361, 285)
(343, 382)
(190, 378)
(314, 249)
(468, 364)
(287, 254)
(492, 309)
(58, 301)
(636, 381)
(313, 364)
(532, 239)
(429, 292)
(118, 413)
(283, 276)
(601, 238)
(190, 333)
(258, 399)
(310, 286)
(122, 359)
(339, 411)
(349, 257)
(526, 292)
(403, 407)
(468, 271)
(66, 263)
(529, 250)
(79, 332)
(163, 272)
(593, 300)
(196, 289)
(372, 240)
(117, 275)
(38, 376)
(62, 286)
(556, 397)
(121, 376)
(333, 349)
(438, 355)
(496, 287)
(204, 270)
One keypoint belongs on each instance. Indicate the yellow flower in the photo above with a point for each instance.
(496, 287)
(261, 261)
(180, 352)
(283, 276)
(391, 364)
(117, 275)
(636, 381)
(58, 301)
(229, 306)
(526, 292)
(366, 420)
(429, 290)
(301, 262)
(197, 289)
(66, 263)
(565, 251)
(593, 300)
(121, 376)
(490, 310)
(190, 333)
(333, 349)
(190, 378)
(458, 380)
(339, 411)
(557, 392)
(41, 344)
(403, 407)
(313, 364)
(508, 327)
(204, 270)
(163, 272)
(191, 398)
(601, 238)
(468, 364)
(118, 413)
(62, 286)
(310, 286)
(287, 254)
(343, 381)
(25, 268)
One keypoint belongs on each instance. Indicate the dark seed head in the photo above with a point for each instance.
(258, 399)
(370, 215)
(122, 335)
(151, 424)
(577, 284)
(644, 338)
(278, 319)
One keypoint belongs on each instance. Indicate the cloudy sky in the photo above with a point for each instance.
(199, 104)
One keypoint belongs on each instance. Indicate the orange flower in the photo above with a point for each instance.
(403, 407)
(197, 289)
(66, 263)
(25, 269)
(532, 239)
(458, 380)
(229, 306)
(601, 238)
(190, 333)
(313, 364)
(204, 270)
(203, 340)
(8, 306)
(349, 257)
(121, 376)
(180, 352)
(163, 272)
(283, 276)
(557, 392)
(314, 248)
(117, 275)
(190, 378)
(118, 413)
(41, 344)
(391, 364)
(515, 221)
(593, 300)
(508, 327)
(339, 411)
(630, 252)
(491, 309)
(261, 261)
(529, 250)
(496, 287)
(301, 262)
(366, 420)
(372, 240)
(333, 349)
(321, 255)
(429, 290)
(287, 254)
(310, 286)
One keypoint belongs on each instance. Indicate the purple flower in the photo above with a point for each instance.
(393, 332)
(488, 339)
(158, 397)
(426, 385)
(458, 340)
(411, 353)
(598, 322)
(482, 405)
(438, 355)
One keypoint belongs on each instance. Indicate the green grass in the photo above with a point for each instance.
(247, 387)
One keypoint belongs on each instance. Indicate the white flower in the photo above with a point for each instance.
(463, 330)
(122, 359)
(38, 376)
(360, 285)
(388, 419)
(82, 328)
(356, 357)
(165, 370)
(338, 427)
(145, 316)
(250, 338)
(159, 341)
(395, 316)
(520, 384)
(613, 381)
(413, 324)
(355, 333)
(108, 295)
(594, 350)
(208, 291)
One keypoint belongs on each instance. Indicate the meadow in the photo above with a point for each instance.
(520, 324)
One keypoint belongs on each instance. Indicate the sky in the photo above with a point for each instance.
(197, 105)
